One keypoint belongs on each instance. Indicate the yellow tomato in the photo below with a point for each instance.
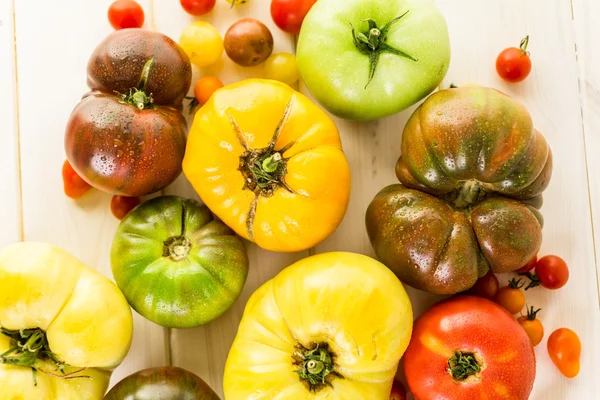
(282, 67)
(269, 163)
(59, 314)
(202, 43)
(237, 2)
(339, 318)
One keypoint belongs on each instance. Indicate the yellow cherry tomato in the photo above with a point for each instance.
(202, 43)
(269, 163)
(282, 67)
(63, 326)
(533, 327)
(331, 326)
(237, 2)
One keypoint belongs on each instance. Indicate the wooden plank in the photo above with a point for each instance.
(479, 31)
(204, 350)
(588, 34)
(10, 212)
(52, 73)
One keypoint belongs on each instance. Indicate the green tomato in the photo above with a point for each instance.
(367, 59)
(176, 265)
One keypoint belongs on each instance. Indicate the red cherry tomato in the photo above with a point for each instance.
(289, 14)
(398, 391)
(564, 348)
(121, 205)
(513, 64)
(125, 14)
(487, 286)
(552, 271)
(527, 267)
(74, 185)
(198, 7)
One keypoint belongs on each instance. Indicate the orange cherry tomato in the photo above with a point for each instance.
(398, 391)
(205, 87)
(527, 267)
(487, 286)
(564, 348)
(121, 205)
(533, 327)
(511, 297)
(513, 64)
(74, 185)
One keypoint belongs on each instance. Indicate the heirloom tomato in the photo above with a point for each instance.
(564, 348)
(365, 60)
(165, 383)
(473, 169)
(127, 136)
(176, 264)
(63, 326)
(467, 347)
(331, 326)
(269, 163)
(248, 42)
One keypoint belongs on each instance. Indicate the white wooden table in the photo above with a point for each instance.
(44, 48)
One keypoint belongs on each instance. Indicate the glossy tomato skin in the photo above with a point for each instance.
(74, 185)
(289, 14)
(198, 7)
(513, 65)
(552, 271)
(487, 286)
(469, 324)
(248, 42)
(121, 205)
(121, 150)
(162, 383)
(564, 348)
(124, 14)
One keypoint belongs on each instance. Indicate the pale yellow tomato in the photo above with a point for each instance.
(237, 2)
(202, 43)
(282, 67)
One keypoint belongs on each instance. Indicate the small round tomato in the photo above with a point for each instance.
(237, 2)
(511, 297)
(552, 272)
(527, 267)
(289, 14)
(198, 7)
(282, 67)
(533, 327)
(564, 348)
(205, 87)
(121, 205)
(248, 42)
(487, 286)
(125, 14)
(514, 64)
(202, 43)
(74, 185)
(398, 391)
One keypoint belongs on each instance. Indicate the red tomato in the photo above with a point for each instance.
(121, 205)
(564, 348)
(74, 186)
(289, 14)
(125, 14)
(513, 64)
(398, 391)
(487, 286)
(467, 347)
(527, 267)
(198, 7)
(552, 272)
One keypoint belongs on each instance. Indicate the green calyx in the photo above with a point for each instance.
(462, 365)
(315, 367)
(264, 170)
(177, 248)
(373, 43)
(137, 97)
(532, 313)
(28, 346)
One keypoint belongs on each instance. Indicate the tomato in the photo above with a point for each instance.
(63, 326)
(125, 14)
(198, 7)
(289, 14)
(74, 185)
(564, 348)
(121, 205)
(365, 60)
(514, 64)
(167, 234)
(511, 297)
(398, 391)
(237, 2)
(282, 67)
(265, 177)
(533, 327)
(248, 42)
(342, 340)
(202, 43)
(552, 272)
(487, 286)
(527, 267)
(162, 383)
(468, 347)
(205, 87)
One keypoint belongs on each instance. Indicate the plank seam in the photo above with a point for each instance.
(18, 125)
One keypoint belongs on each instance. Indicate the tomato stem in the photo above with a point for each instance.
(516, 284)
(532, 313)
(523, 45)
(137, 96)
(462, 365)
(534, 281)
(177, 248)
(316, 366)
